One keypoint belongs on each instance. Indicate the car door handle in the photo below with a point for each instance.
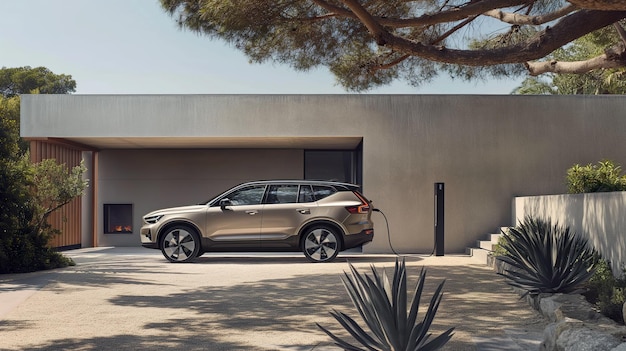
(252, 212)
(304, 211)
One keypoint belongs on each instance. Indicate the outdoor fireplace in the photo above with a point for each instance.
(118, 218)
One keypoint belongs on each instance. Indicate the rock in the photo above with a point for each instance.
(583, 339)
(559, 306)
(620, 347)
(576, 325)
(554, 330)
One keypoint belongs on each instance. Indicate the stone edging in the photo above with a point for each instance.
(574, 324)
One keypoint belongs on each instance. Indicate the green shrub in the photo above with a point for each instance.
(382, 305)
(28, 194)
(498, 249)
(606, 292)
(605, 176)
(546, 258)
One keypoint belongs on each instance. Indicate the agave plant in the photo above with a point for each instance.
(546, 258)
(382, 305)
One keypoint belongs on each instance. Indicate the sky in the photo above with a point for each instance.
(134, 47)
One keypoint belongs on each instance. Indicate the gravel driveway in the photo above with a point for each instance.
(132, 299)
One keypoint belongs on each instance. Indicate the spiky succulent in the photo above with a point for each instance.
(546, 258)
(382, 305)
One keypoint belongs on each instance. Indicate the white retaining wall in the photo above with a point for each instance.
(600, 217)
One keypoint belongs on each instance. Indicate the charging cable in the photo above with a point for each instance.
(389, 234)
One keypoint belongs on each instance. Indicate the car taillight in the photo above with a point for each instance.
(364, 207)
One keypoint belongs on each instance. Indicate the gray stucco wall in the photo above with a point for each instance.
(486, 149)
(154, 179)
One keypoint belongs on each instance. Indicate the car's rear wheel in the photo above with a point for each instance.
(180, 244)
(321, 243)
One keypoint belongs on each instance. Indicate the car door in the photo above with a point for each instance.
(235, 220)
(286, 207)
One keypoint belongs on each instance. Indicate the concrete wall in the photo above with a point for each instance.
(599, 217)
(486, 149)
(153, 179)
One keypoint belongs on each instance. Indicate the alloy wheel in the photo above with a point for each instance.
(180, 244)
(321, 245)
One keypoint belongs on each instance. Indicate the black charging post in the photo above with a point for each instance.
(439, 212)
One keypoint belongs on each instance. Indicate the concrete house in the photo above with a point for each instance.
(145, 152)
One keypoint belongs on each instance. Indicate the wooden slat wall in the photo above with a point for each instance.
(68, 218)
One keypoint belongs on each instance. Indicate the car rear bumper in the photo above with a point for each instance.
(354, 240)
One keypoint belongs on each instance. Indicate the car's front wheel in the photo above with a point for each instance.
(321, 243)
(180, 244)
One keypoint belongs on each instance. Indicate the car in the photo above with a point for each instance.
(319, 218)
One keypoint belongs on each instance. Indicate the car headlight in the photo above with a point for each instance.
(152, 219)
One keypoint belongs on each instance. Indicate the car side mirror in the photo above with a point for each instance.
(225, 202)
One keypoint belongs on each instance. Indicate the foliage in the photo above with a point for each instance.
(536, 86)
(498, 249)
(607, 292)
(14, 215)
(9, 133)
(366, 44)
(53, 186)
(601, 81)
(382, 305)
(30, 192)
(39, 80)
(22, 248)
(546, 258)
(605, 176)
(24, 231)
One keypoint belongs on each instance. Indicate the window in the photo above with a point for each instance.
(321, 192)
(251, 195)
(282, 194)
(306, 194)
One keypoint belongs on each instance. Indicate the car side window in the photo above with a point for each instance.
(251, 195)
(306, 194)
(321, 192)
(282, 194)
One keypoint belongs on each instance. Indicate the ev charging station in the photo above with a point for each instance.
(439, 219)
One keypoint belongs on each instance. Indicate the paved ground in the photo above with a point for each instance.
(132, 299)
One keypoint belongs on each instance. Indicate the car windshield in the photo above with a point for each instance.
(210, 200)
(240, 196)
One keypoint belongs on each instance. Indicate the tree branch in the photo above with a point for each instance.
(390, 64)
(566, 30)
(613, 58)
(453, 29)
(373, 26)
(514, 18)
(603, 5)
(456, 14)
(334, 9)
(620, 31)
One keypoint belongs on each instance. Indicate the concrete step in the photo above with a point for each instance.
(495, 237)
(480, 253)
(485, 244)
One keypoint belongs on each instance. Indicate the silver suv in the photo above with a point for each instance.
(319, 218)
